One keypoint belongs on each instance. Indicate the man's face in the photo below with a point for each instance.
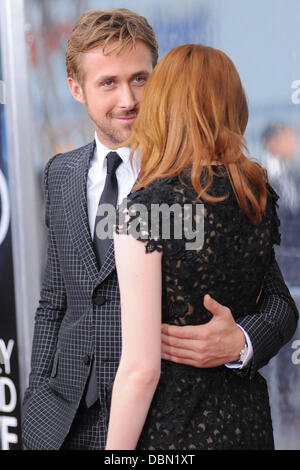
(112, 90)
(285, 145)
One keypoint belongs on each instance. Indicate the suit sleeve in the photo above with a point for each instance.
(52, 304)
(275, 322)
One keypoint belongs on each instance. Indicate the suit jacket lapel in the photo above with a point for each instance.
(109, 263)
(74, 192)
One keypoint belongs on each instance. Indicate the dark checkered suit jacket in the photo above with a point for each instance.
(78, 318)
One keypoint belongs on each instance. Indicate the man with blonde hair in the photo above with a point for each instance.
(77, 337)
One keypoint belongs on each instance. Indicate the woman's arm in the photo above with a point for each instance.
(139, 276)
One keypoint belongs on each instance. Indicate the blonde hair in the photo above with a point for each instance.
(194, 114)
(117, 28)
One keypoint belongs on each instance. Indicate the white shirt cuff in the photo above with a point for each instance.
(239, 365)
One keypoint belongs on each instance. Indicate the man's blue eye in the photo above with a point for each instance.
(140, 79)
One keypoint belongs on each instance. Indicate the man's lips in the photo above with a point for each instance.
(127, 118)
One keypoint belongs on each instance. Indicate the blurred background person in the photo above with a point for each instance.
(281, 145)
(280, 158)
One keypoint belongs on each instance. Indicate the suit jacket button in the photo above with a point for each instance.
(99, 300)
(86, 359)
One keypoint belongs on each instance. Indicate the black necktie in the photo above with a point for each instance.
(109, 196)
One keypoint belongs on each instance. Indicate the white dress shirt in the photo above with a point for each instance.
(126, 174)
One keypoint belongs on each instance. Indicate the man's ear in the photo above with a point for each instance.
(76, 90)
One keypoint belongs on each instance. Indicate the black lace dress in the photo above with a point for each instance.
(212, 408)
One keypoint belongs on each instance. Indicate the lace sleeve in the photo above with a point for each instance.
(136, 217)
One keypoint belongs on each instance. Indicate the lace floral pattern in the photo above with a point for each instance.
(206, 408)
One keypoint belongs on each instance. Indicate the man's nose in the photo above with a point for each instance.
(127, 97)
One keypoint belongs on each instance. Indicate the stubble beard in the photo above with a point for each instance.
(108, 134)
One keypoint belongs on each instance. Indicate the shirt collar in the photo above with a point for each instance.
(102, 151)
(274, 165)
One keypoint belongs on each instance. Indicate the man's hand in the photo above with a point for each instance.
(210, 345)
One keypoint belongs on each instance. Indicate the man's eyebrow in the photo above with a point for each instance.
(104, 78)
(141, 72)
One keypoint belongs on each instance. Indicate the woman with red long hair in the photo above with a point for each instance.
(195, 181)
